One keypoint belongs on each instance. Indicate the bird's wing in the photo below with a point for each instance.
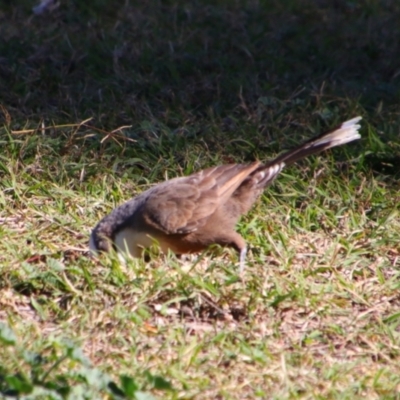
(182, 205)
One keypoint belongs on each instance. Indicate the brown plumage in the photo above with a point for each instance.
(188, 214)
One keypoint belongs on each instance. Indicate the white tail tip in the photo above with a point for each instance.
(352, 123)
(347, 132)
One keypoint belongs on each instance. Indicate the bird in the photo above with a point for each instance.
(190, 213)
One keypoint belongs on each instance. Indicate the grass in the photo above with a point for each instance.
(101, 101)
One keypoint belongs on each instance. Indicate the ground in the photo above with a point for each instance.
(101, 100)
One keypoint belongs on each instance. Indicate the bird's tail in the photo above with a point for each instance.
(347, 132)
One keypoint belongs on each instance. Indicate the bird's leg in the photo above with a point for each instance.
(231, 238)
(242, 259)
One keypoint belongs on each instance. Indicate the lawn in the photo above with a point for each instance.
(99, 101)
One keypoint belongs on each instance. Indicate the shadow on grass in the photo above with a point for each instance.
(125, 61)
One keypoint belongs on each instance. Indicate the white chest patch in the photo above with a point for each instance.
(131, 242)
